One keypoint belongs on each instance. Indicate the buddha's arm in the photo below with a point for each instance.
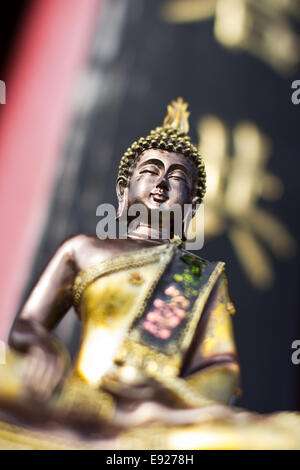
(49, 301)
(213, 370)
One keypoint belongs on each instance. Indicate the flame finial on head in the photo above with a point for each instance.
(177, 116)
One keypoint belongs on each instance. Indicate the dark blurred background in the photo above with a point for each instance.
(234, 62)
(13, 14)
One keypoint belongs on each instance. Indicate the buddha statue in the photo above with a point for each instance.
(157, 365)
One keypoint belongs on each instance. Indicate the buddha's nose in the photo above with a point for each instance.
(163, 183)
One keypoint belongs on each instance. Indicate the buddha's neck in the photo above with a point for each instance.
(148, 232)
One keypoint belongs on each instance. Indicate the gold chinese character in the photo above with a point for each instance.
(236, 180)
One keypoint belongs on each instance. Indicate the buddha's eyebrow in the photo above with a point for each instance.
(152, 161)
(177, 166)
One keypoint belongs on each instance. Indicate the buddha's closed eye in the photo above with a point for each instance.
(150, 170)
(178, 176)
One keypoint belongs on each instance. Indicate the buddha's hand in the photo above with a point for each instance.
(150, 411)
(46, 358)
(47, 365)
(130, 383)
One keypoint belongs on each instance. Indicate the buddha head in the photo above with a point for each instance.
(163, 170)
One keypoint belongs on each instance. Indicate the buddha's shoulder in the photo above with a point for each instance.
(82, 241)
(86, 244)
(88, 250)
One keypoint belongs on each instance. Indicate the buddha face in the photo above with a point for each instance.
(161, 179)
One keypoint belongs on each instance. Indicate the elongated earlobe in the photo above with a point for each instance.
(195, 205)
(122, 193)
(187, 217)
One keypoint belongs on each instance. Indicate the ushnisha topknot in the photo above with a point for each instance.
(171, 136)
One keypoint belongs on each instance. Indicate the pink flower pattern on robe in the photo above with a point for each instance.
(166, 315)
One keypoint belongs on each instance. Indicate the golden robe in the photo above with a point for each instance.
(159, 314)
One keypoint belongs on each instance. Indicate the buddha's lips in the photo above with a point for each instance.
(159, 196)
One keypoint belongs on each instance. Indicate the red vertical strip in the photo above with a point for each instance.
(51, 50)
